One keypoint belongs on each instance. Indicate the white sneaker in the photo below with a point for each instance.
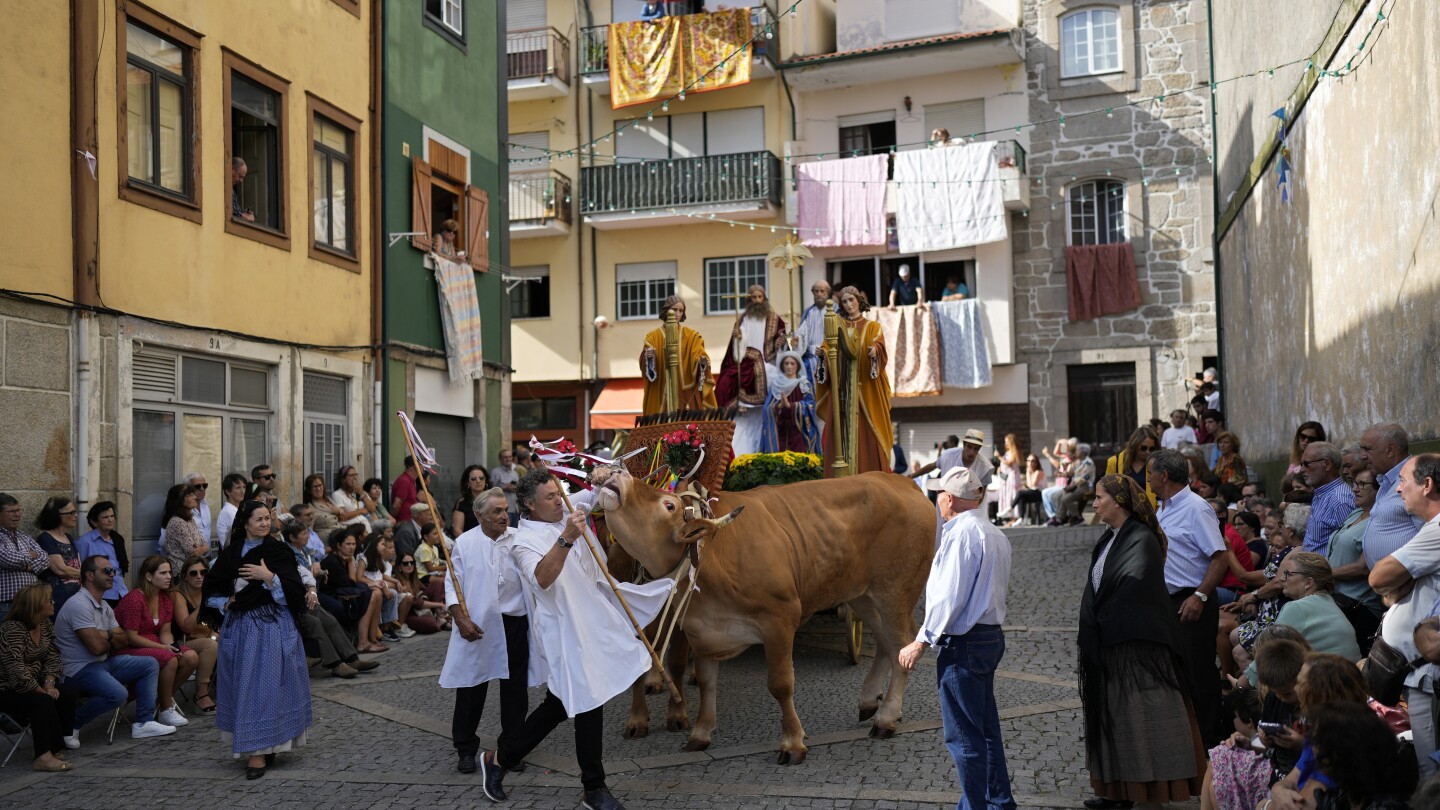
(139, 731)
(72, 740)
(172, 717)
(404, 632)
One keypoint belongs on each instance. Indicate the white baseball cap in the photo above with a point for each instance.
(904, 270)
(962, 482)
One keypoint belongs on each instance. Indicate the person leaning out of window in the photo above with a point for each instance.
(30, 671)
(445, 239)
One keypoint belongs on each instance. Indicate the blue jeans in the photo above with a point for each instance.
(5, 610)
(103, 684)
(966, 676)
(389, 609)
(1050, 497)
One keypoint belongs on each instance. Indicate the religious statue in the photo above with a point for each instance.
(790, 422)
(674, 364)
(755, 341)
(855, 391)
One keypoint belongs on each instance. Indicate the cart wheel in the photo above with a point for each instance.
(856, 635)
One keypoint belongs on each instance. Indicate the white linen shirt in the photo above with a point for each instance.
(1174, 437)
(512, 593)
(1421, 558)
(969, 578)
(469, 663)
(1194, 537)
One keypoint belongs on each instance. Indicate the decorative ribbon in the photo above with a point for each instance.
(424, 453)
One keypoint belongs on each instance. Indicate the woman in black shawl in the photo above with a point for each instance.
(1142, 742)
(264, 686)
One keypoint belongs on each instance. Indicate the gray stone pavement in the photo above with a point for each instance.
(382, 740)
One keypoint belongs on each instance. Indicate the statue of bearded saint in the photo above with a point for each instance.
(756, 339)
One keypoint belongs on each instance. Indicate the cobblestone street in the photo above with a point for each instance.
(383, 740)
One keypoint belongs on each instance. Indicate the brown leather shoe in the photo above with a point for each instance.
(344, 671)
(364, 664)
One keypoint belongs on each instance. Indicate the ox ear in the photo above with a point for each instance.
(702, 529)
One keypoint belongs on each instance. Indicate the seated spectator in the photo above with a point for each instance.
(316, 624)
(1361, 757)
(86, 633)
(22, 560)
(1229, 465)
(145, 614)
(183, 539)
(1231, 586)
(1207, 486)
(348, 599)
(407, 532)
(1238, 771)
(1333, 499)
(1263, 604)
(1325, 680)
(375, 488)
(955, 290)
(186, 603)
(30, 672)
(1305, 434)
(430, 562)
(473, 481)
(1347, 545)
(426, 615)
(1350, 460)
(378, 566)
(103, 541)
(1293, 483)
(1247, 525)
(1078, 491)
(1309, 586)
(57, 521)
(352, 502)
(1235, 782)
(1178, 433)
(304, 515)
(1028, 499)
(232, 491)
(327, 514)
(1062, 461)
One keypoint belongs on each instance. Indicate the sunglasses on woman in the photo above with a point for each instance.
(407, 562)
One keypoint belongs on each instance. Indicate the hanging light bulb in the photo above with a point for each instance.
(769, 34)
(682, 95)
(650, 116)
(665, 106)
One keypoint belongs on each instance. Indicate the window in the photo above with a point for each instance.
(723, 132)
(193, 414)
(1090, 42)
(641, 288)
(550, 413)
(447, 17)
(531, 298)
(439, 193)
(157, 142)
(326, 406)
(255, 127)
(866, 133)
(1097, 212)
(333, 139)
(960, 118)
(726, 281)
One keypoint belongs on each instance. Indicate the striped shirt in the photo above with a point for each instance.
(1390, 525)
(1194, 537)
(1332, 504)
(21, 561)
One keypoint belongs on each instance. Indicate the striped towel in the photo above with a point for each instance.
(460, 315)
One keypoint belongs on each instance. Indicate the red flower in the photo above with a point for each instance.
(695, 443)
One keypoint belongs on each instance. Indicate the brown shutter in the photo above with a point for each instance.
(477, 215)
(420, 203)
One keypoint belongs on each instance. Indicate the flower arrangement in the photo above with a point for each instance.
(766, 469)
(681, 448)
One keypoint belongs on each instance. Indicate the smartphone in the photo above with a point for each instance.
(1273, 729)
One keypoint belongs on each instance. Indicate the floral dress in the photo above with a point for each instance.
(1269, 609)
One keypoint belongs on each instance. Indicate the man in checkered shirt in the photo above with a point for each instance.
(21, 558)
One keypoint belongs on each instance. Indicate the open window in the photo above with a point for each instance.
(439, 194)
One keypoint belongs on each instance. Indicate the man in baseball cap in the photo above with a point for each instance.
(964, 609)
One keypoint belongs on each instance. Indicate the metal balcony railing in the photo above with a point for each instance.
(595, 41)
(533, 53)
(1010, 153)
(713, 179)
(540, 196)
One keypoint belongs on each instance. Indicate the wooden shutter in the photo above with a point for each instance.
(420, 203)
(477, 216)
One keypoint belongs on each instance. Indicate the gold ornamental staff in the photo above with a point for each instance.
(670, 395)
(840, 430)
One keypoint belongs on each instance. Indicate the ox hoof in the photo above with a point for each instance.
(677, 724)
(695, 745)
(880, 733)
(790, 758)
(867, 712)
(634, 731)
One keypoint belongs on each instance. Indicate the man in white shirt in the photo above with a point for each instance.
(812, 320)
(493, 640)
(1178, 433)
(964, 610)
(304, 514)
(955, 453)
(1414, 571)
(589, 649)
(202, 509)
(1194, 566)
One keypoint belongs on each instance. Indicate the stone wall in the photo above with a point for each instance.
(1168, 215)
(36, 399)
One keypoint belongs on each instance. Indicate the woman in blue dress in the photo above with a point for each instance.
(790, 422)
(264, 686)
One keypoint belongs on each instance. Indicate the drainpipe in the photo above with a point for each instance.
(580, 244)
(85, 47)
(1215, 205)
(82, 411)
(379, 329)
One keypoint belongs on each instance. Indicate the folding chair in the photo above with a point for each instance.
(13, 739)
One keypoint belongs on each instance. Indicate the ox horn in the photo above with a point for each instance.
(702, 529)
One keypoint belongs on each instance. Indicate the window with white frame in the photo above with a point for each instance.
(726, 280)
(1097, 212)
(1090, 42)
(450, 13)
(531, 297)
(641, 287)
(326, 425)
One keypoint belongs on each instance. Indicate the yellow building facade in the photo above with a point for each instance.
(189, 315)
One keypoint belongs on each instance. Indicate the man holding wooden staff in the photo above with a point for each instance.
(586, 642)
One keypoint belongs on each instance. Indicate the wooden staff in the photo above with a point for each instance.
(639, 631)
(444, 550)
(670, 394)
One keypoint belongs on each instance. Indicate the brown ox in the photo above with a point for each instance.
(865, 541)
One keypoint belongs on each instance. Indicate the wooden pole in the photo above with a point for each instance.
(639, 631)
(444, 551)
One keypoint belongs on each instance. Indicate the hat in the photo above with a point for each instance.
(961, 482)
(975, 437)
(904, 270)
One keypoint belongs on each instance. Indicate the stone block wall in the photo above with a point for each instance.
(1168, 215)
(36, 401)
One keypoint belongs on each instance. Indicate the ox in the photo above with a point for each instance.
(865, 541)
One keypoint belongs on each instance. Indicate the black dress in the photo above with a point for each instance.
(466, 507)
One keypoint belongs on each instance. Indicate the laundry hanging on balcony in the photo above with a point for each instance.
(1101, 280)
(842, 202)
(912, 348)
(460, 317)
(656, 60)
(965, 356)
(948, 197)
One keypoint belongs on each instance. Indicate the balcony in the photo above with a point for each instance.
(540, 204)
(595, 50)
(537, 64)
(742, 186)
(906, 60)
(1010, 161)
